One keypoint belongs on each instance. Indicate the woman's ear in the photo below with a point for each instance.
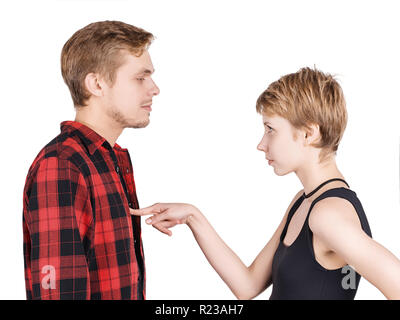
(312, 134)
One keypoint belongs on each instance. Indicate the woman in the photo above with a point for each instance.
(324, 230)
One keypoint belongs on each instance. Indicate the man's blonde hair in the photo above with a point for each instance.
(98, 48)
(308, 97)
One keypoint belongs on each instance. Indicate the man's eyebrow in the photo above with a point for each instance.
(266, 122)
(145, 71)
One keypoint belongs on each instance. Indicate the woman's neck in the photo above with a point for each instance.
(312, 174)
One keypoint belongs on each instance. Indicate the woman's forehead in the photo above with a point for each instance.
(273, 119)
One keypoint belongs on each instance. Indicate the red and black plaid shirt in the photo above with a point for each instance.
(80, 241)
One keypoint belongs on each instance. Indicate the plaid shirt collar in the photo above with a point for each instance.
(90, 138)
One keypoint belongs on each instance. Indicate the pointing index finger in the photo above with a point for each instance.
(155, 208)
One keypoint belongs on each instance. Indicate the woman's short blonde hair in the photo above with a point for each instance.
(308, 97)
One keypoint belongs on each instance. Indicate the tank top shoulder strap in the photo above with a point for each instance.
(350, 196)
(292, 210)
(343, 193)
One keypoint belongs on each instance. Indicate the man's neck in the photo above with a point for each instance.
(101, 124)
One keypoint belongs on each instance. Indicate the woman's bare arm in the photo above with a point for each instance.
(334, 221)
(245, 282)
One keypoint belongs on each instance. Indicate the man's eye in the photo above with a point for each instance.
(269, 129)
(141, 79)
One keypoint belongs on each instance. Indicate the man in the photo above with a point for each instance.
(80, 240)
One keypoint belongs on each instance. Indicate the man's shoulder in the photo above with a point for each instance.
(64, 149)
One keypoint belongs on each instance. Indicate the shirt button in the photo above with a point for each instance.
(130, 204)
(117, 168)
(127, 170)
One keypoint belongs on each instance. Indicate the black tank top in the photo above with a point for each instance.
(296, 274)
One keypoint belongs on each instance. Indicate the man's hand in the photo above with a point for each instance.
(166, 215)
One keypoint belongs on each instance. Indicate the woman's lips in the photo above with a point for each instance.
(270, 161)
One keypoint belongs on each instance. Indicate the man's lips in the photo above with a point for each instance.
(147, 107)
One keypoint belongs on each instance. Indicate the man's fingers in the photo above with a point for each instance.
(155, 208)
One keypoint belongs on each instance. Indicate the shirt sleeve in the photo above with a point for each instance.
(57, 217)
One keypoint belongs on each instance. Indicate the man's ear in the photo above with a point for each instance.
(94, 84)
(312, 134)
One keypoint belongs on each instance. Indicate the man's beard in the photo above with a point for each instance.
(137, 124)
(118, 117)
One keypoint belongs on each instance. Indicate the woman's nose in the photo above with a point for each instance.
(261, 146)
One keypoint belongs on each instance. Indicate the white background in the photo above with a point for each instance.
(212, 60)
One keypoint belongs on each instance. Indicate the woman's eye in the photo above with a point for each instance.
(269, 129)
(141, 79)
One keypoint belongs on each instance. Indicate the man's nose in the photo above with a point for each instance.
(155, 90)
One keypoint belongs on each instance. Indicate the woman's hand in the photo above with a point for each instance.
(166, 215)
(225, 262)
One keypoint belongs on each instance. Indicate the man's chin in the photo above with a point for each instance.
(138, 124)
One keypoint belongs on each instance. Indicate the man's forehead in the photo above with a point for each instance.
(139, 65)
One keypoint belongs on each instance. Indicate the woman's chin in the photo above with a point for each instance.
(279, 172)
